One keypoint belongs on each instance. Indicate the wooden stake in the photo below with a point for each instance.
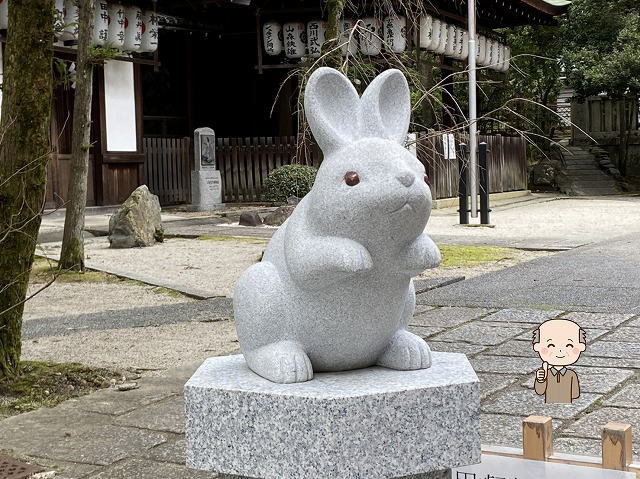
(616, 446)
(537, 438)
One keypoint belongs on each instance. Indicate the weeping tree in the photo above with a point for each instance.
(24, 152)
(72, 254)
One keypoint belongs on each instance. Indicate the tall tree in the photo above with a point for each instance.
(24, 152)
(72, 254)
(602, 54)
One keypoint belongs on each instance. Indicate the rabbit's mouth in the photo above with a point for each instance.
(405, 207)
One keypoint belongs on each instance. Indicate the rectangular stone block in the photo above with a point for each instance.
(369, 423)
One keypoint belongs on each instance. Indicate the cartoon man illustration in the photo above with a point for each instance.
(559, 343)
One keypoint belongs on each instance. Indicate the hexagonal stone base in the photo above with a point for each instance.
(369, 423)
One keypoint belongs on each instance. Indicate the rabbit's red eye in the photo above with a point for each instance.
(426, 179)
(351, 178)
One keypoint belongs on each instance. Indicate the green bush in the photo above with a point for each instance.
(289, 180)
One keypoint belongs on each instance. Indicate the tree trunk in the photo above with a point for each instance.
(622, 157)
(335, 9)
(72, 254)
(24, 153)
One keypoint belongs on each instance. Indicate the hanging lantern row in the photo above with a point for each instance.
(449, 40)
(297, 40)
(126, 28)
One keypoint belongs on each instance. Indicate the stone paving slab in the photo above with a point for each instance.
(174, 450)
(448, 317)
(593, 379)
(73, 470)
(624, 335)
(629, 397)
(590, 425)
(166, 416)
(519, 402)
(424, 332)
(145, 469)
(504, 430)
(577, 445)
(608, 362)
(598, 320)
(464, 348)
(116, 403)
(614, 349)
(482, 334)
(484, 363)
(515, 348)
(511, 316)
(492, 383)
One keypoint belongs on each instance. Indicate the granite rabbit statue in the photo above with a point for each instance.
(333, 291)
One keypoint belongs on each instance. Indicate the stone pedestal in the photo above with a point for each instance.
(206, 190)
(370, 423)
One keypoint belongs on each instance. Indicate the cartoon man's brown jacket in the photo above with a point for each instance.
(559, 385)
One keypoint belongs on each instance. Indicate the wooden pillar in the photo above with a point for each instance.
(537, 438)
(616, 446)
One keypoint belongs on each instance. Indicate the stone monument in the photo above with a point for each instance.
(331, 384)
(206, 184)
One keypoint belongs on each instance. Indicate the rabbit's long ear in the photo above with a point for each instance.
(331, 105)
(386, 107)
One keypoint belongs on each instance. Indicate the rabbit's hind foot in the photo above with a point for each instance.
(406, 352)
(284, 362)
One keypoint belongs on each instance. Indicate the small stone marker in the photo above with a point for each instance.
(206, 183)
(250, 218)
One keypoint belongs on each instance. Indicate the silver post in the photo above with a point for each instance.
(473, 127)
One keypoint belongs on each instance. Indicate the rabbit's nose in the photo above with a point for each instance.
(406, 179)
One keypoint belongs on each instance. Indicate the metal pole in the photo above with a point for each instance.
(463, 192)
(484, 185)
(473, 127)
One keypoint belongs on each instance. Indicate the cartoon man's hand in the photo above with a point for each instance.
(541, 374)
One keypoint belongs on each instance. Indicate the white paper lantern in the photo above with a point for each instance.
(4, 14)
(426, 31)
(463, 47)
(101, 23)
(442, 38)
(316, 35)
(71, 14)
(435, 35)
(117, 21)
(450, 47)
(58, 22)
(294, 39)
(499, 56)
(133, 29)
(370, 36)
(395, 34)
(491, 54)
(481, 53)
(507, 59)
(150, 30)
(272, 38)
(348, 38)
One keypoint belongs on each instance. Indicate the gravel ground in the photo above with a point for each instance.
(211, 265)
(62, 299)
(150, 348)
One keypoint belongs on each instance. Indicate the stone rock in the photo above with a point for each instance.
(293, 200)
(137, 222)
(332, 293)
(371, 422)
(606, 163)
(614, 171)
(279, 216)
(250, 218)
(543, 174)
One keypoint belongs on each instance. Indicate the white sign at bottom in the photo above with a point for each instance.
(500, 467)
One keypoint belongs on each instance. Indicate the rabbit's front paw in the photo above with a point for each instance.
(406, 352)
(284, 362)
(356, 258)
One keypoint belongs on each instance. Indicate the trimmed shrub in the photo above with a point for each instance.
(287, 181)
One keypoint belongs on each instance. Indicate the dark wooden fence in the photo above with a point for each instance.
(507, 163)
(167, 169)
(244, 164)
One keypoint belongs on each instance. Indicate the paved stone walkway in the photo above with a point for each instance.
(140, 433)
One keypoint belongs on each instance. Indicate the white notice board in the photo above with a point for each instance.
(500, 467)
(120, 106)
(449, 146)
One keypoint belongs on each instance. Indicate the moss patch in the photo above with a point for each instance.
(44, 270)
(239, 239)
(460, 255)
(45, 384)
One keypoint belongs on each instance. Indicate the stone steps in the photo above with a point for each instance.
(583, 175)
